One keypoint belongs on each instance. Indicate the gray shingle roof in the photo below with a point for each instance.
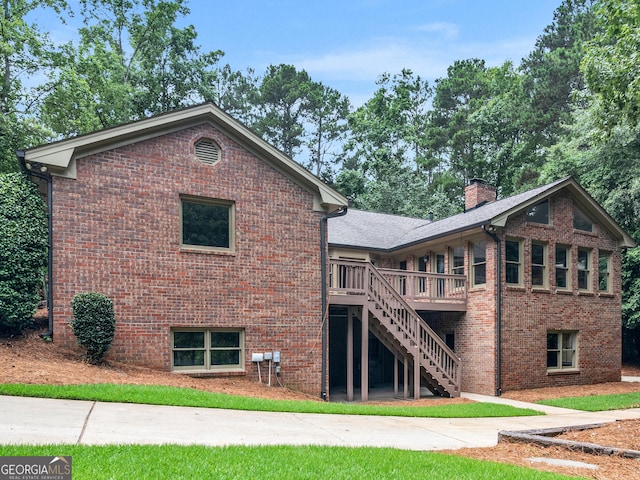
(380, 231)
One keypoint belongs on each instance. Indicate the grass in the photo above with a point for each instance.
(188, 397)
(271, 462)
(597, 403)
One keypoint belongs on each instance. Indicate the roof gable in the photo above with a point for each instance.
(60, 156)
(391, 232)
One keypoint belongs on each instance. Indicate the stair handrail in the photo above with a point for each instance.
(423, 336)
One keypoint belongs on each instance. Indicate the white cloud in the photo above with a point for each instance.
(448, 30)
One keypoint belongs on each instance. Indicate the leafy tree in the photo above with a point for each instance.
(131, 61)
(326, 124)
(386, 145)
(236, 93)
(476, 128)
(552, 70)
(611, 62)
(284, 95)
(631, 302)
(24, 53)
(93, 323)
(23, 251)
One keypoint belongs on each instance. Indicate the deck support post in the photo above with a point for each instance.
(350, 355)
(416, 373)
(364, 357)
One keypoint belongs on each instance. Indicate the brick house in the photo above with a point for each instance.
(521, 292)
(206, 238)
(218, 249)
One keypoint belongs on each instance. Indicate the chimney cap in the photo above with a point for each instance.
(477, 180)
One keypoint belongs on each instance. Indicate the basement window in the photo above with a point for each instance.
(207, 350)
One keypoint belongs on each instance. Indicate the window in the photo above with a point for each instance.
(584, 273)
(207, 151)
(539, 213)
(457, 261)
(422, 267)
(538, 265)
(562, 350)
(207, 223)
(479, 263)
(513, 261)
(208, 349)
(562, 267)
(581, 221)
(604, 270)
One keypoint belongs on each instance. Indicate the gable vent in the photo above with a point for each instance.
(207, 152)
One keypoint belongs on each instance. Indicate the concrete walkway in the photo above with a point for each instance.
(26, 420)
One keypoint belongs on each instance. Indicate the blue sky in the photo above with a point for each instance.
(347, 44)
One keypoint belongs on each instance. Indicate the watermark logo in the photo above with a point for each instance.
(35, 468)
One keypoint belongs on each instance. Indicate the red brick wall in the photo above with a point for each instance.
(476, 331)
(116, 230)
(529, 313)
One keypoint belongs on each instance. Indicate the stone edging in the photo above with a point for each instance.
(545, 437)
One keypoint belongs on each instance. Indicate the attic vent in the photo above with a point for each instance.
(207, 151)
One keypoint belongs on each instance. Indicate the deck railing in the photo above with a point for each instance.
(362, 278)
(348, 277)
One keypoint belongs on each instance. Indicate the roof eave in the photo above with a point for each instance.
(60, 156)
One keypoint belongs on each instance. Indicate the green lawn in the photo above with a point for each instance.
(597, 403)
(188, 397)
(271, 462)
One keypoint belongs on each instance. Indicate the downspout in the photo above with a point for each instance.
(325, 310)
(498, 309)
(47, 178)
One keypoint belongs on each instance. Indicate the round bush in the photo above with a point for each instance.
(93, 323)
(23, 251)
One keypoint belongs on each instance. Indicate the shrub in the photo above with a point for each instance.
(93, 323)
(23, 251)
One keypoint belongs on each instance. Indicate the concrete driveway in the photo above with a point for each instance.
(37, 421)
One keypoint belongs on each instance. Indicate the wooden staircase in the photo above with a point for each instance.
(400, 328)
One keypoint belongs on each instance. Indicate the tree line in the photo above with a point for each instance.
(571, 107)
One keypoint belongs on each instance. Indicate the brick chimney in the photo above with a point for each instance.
(478, 192)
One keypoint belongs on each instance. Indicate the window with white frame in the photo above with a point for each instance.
(604, 272)
(217, 349)
(563, 279)
(584, 269)
(538, 264)
(513, 260)
(479, 263)
(562, 350)
(207, 223)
